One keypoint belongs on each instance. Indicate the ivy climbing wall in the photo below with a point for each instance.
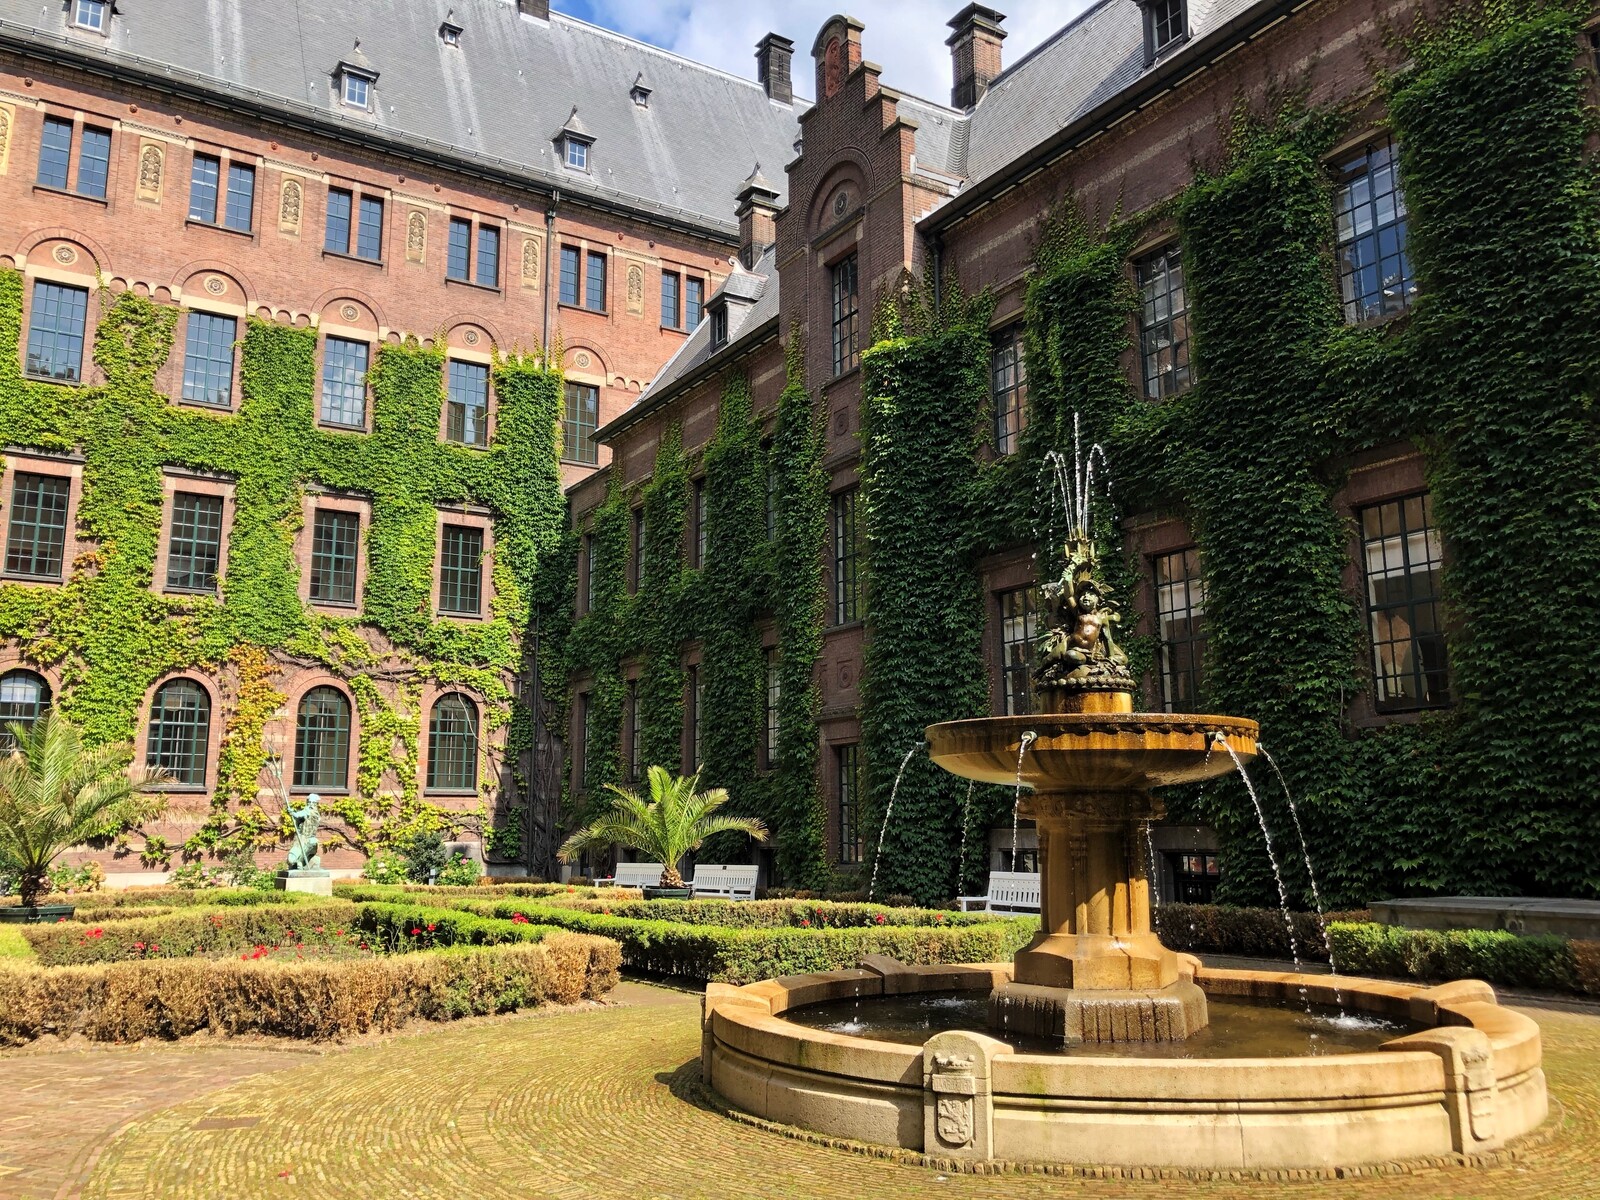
(109, 635)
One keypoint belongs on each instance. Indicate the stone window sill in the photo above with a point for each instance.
(242, 233)
(355, 258)
(48, 190)
(19, 577)
(452, 281)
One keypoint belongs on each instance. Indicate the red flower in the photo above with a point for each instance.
(519, 919)
(154, 948)
(94, 933)
(59, 920)
(415, 932)
(319, 928)
(431, 928)
(363, 945)
(804, 923)
(880, 918)
(138, 945)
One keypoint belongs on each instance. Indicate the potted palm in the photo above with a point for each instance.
(56, 792)
(676, 819)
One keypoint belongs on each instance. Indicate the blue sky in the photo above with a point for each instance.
(904, 37)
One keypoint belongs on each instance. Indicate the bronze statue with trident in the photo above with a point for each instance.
(1078, 649)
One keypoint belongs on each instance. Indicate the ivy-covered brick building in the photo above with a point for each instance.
(1320, 281)
(303, 325)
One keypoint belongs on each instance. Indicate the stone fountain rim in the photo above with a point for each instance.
(1046, 724)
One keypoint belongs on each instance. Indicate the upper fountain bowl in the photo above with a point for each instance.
(1092, 752)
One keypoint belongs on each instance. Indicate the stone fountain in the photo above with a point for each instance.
(1096, 972)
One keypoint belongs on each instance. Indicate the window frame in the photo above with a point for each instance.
(451, 376)
(847, 796)
(1008, 388)
(104, 14)
(322, 383)
(694, 704)
(209, 315)
(84, 133)
(569, 421)
(771, 707)
(347, 78)
(571, 296)
(846, 607)
(206, 743)
(237, 170)
(68, 469)
(1012, 667)
(315, 508)
(719, 325)
(1352, 168)
(699, 512)
(844, 322)
(1419, 674)
(350, 735)
(694, 301)
(431, 785)
(77, 374)
(596, 293)
(575, 148)
(42, 701)
(54, 154)
(464, 518)
(672, 312)
(1166, 588)
(173, 482)
(1154, 47)
(62, 484)
(1153, 275)
(453, 576)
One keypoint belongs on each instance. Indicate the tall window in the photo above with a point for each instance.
(1165, 25)
(586, 551)
(336, 235)
(488, 256)
(461, 570)
(772, 493)
(1375, 279)
(55, 331)
(694, 301)
(90, 14)
(1181, 623)
(699, 534)
(1163, 323)
(571, 285)
(239, 212)
(55, 153)
(458, 264)
(467, 413)
(24, 698)
(635, 728)
(1401, 557)
(94, 162)
(335, 550)
(636, 551)
(369, 230)
(1008, 386)
(205, 172)
(774, 694)
(194, 551)
(671, 296)
(36, 535)
(453, 745)
(208, 359)
(1019, 624)
(846, 578)
(322, 740)
(693, 716)
(582, 419)
(846, 307)
(847, 773)
(582, 741)
(179, 741)
(719, 326)
(594, 296)
(344, 382)
(366, 218)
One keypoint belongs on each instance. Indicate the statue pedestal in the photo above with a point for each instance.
(318, 883)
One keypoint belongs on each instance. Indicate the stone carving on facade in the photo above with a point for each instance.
(290, 205)
(581, 360)
(216, 285)
(472, 337)
(416, 237)
(832, 67)
(66, 255)
(636, 290)
(955, 1120)
(349, 312)
(152, 160)
(5, 136)
(530, 263)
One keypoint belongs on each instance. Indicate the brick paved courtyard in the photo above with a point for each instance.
(569, 1104)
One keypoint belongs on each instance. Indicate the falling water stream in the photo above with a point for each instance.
(1028, 738)
(1311, 875)
(961, 858)
(872, 888)
(1152, 877)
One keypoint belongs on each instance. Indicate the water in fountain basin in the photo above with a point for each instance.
(1305, 848)
(1266, 835)
(888, 811)
(1028, 738)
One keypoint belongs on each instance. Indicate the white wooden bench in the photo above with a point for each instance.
(633, 875)
(732, 880)
(1009, 891)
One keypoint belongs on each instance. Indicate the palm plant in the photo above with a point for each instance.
(675, 820)
(56, 792)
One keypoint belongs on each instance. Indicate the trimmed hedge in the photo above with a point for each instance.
(1545, 963)
(774, 914)
(169, 998)
(363, 889)
(103, 902)
(724, 955)
(1253, 932)
(384, 928)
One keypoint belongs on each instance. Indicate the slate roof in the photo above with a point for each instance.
(500, 95)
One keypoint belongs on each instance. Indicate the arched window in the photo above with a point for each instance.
(453, 745)
(180, 731)
(24, 697)
(322, 740)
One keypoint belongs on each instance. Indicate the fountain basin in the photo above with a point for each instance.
(1466, 1083)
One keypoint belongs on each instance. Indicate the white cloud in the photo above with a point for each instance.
(904, 37)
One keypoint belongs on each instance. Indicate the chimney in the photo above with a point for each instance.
(974, 52)
(758, 212)
(773, 54)
(534, 8)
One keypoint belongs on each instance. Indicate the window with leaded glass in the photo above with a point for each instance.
(194, 551)
(461, 570)
(719, 326)
(582, 418)
(458, 257)
(369, 228)
(1163, 323)
(36, 534)
(1019, 625)
(467, 413)
(847, 779)
(179, 740)
(239, 211)
(635, 741)
(55, 153)
(694, 302)
(846, 309)
(1375, 279)
(453, 745)
(671, 289)
(341, 206)
(770, 716)
(335, 553)
(699, 531)
(697, 717)
(586, 573)
(1166, 24)
(571, 284)
(24, 698)
(55, 331)
(636, 551)
(205, 174)
(772, 494)
(94, 162)
(594, 284)
(344, 382)
(846, 575)
(208, 359)
(1008, 387)
(1181, 629)
(488, 256)
(1401, 557)
(322, 741)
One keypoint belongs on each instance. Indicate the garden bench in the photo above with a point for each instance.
(633, 875)
(1009, 891)
(734, 881)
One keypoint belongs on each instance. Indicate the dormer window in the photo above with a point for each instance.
(640, 92)
(1166, 24)
(450, 34)
(357, 91)
(91, 14)
(577, 154)
(719, 326)
(573, 141)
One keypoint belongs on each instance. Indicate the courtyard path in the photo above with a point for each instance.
(590, 1103)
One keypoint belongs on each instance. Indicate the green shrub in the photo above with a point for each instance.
(1545, 963)
(353, 889)
(13, 944)
(132, 901)
(385, 867)
(195, 877)
(67, 881)
(770, 914)
(461, 871)
(424, 856)
(1253, 932)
